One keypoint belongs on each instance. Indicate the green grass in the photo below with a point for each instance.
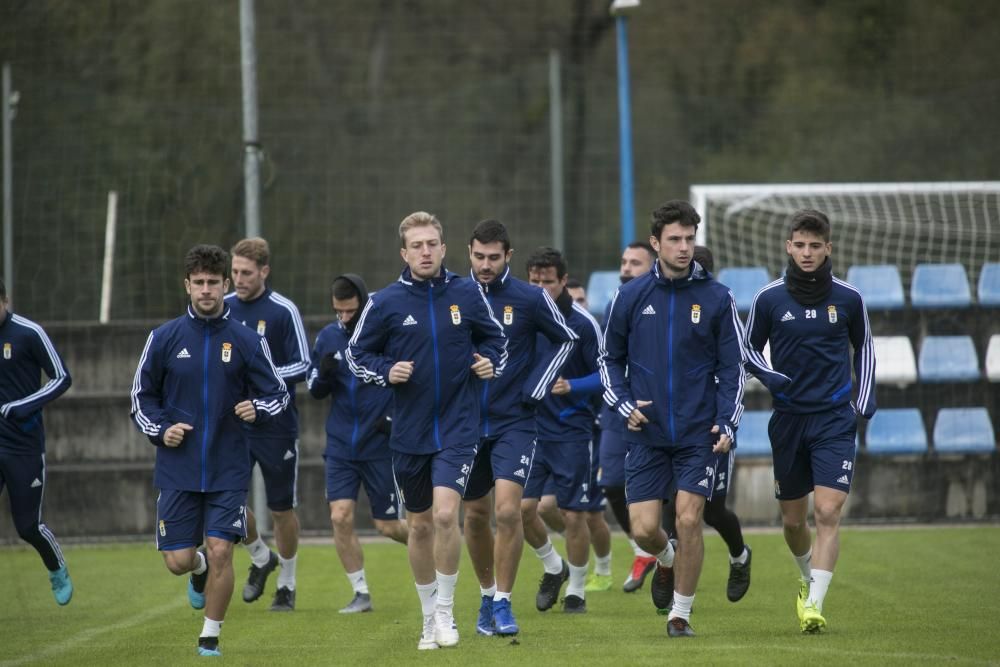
(900, 597)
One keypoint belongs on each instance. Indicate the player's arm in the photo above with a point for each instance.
(148, 411)
(322, 369)
(551, 323)
(487, 334)
(860, 334)
(730, 355)
(364, 352)
(59, 380)
(757, 365)
(266, 384)
(612, 363)
(294, 347)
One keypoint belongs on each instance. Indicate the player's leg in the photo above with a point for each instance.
(180, 528)
(225, 524)
(600, 539)
(412, 475)
(548, 512)
(280, 472)
(687, 564)
(478, 533)
(570, 463)
(727, 524)
(263, 561)
(342, 483)
(556, 571)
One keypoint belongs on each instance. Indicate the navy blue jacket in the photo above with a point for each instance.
(811, 345)
(195, 371)
(355, 425)
(668, 341)
(438, 324)
(27, 351)
(278, 320)
(525, 311)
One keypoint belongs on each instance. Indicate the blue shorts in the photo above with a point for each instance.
(344, 478)
(612, 457)
(651, 473)
(724, 466)
(278, 459)
(569, 465)
(416, 475)
(596, 495)
(183, 518)
(505, 456)
(812, 450)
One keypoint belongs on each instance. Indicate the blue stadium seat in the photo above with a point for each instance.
(993, 359)
(988, 291)
(879, 284)
(940, 286)
(948, 359)
(601, 287)
(899, 431)
(744, 281)
(895, 363)
(751, 437)
(963, 431)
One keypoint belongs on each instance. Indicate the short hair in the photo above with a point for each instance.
(343, 288)
(544, 257)
(491, 231)
(254, 248)
(206, 259)
(573, 283)
(675, 210)
(645, 246)
(418, 219)
(811, 221)
(703, 256)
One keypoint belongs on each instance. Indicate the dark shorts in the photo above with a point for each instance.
(278, 459)
(612, 458)
(505, 456)
(813, 450)
(24, 477)
(724, 466)
(183, 518)
(569, 466)
(416, 475)
(344, 478)
(652, 473)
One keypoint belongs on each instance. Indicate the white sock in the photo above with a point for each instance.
(550, 558)
(804, 562)
(666, 557)
(446, 590)
(682, 607)
(577, 580)
(286, 577)
(202, 564)
(637, 550)
(742, 558)
(211, 628)
(602, 565)
(501, 596)
(259, 553)
(817, 589)
(491, 591)
(428, 597)
(358, 582)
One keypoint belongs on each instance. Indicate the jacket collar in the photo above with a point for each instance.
(213, 322)
(497, 283)
(444, 277)
(695, 272)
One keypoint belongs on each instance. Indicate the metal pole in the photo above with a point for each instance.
(251, 143)
(8, 102)
(556, 148)
(110, 228)
(625, 134)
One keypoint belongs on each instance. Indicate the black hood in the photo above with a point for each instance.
(362, 289)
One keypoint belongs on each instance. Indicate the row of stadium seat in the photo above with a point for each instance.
(894, 431)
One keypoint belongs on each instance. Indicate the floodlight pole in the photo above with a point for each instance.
(8, 102)
(626, 181)
(556, 151)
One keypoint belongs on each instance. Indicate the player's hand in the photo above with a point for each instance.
(483, 368)
(724, 443)
(328, 365)
(174, 435)
(246, 411)
(637, 419)
(400, 372)
(561, 387)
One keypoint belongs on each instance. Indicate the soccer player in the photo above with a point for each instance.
(27, 352)
(812, 320)
(426, 336)
(274, 446)
(674, 368)
(357, 440)
(565, 447)
(190, 396)
(507, 421)
(577, 291)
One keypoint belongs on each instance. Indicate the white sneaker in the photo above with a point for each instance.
(445, 630)
(427, 635)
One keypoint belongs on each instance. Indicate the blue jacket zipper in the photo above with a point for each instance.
(204, 433)
(670, 363)
(437, 365)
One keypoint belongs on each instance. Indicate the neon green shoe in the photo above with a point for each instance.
(812, 621)
(597, 583)
(800, 601)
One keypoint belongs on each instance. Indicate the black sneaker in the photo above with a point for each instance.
(573, 604)
(678, 627)
(548, 588)
(739, 579)
(284, 600)
(662, 588)
(208, 646)
(257, 578)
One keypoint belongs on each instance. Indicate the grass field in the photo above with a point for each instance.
(899, 597)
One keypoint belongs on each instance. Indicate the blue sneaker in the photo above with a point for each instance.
(196, 588)
(484, 624)
(62, 586)
(503, 619)
(209, 647)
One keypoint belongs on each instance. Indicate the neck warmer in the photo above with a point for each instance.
(810, 288)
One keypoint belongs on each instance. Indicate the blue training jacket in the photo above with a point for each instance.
(195, 371)
(438, 324)
(811, 344)
(278, 320)
(668, 341)
(27, 352)
(526, 312)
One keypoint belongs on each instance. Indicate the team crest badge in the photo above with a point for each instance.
(8, 350)
(508, 315)
(831, 312)
(695, 313)
(227, 352)
(163, 528)
(261, 327)
(456, 314)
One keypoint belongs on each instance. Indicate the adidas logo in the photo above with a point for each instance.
(391, 510)
(843, 480)
(37, 483)
(184, 354)
(289, 455)
(338, 356)
(787, 317)
(703, 483)
(519, 473)
(584, 498)
(238, 523)
(409, 321)
(461, 482)
(648, 310)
